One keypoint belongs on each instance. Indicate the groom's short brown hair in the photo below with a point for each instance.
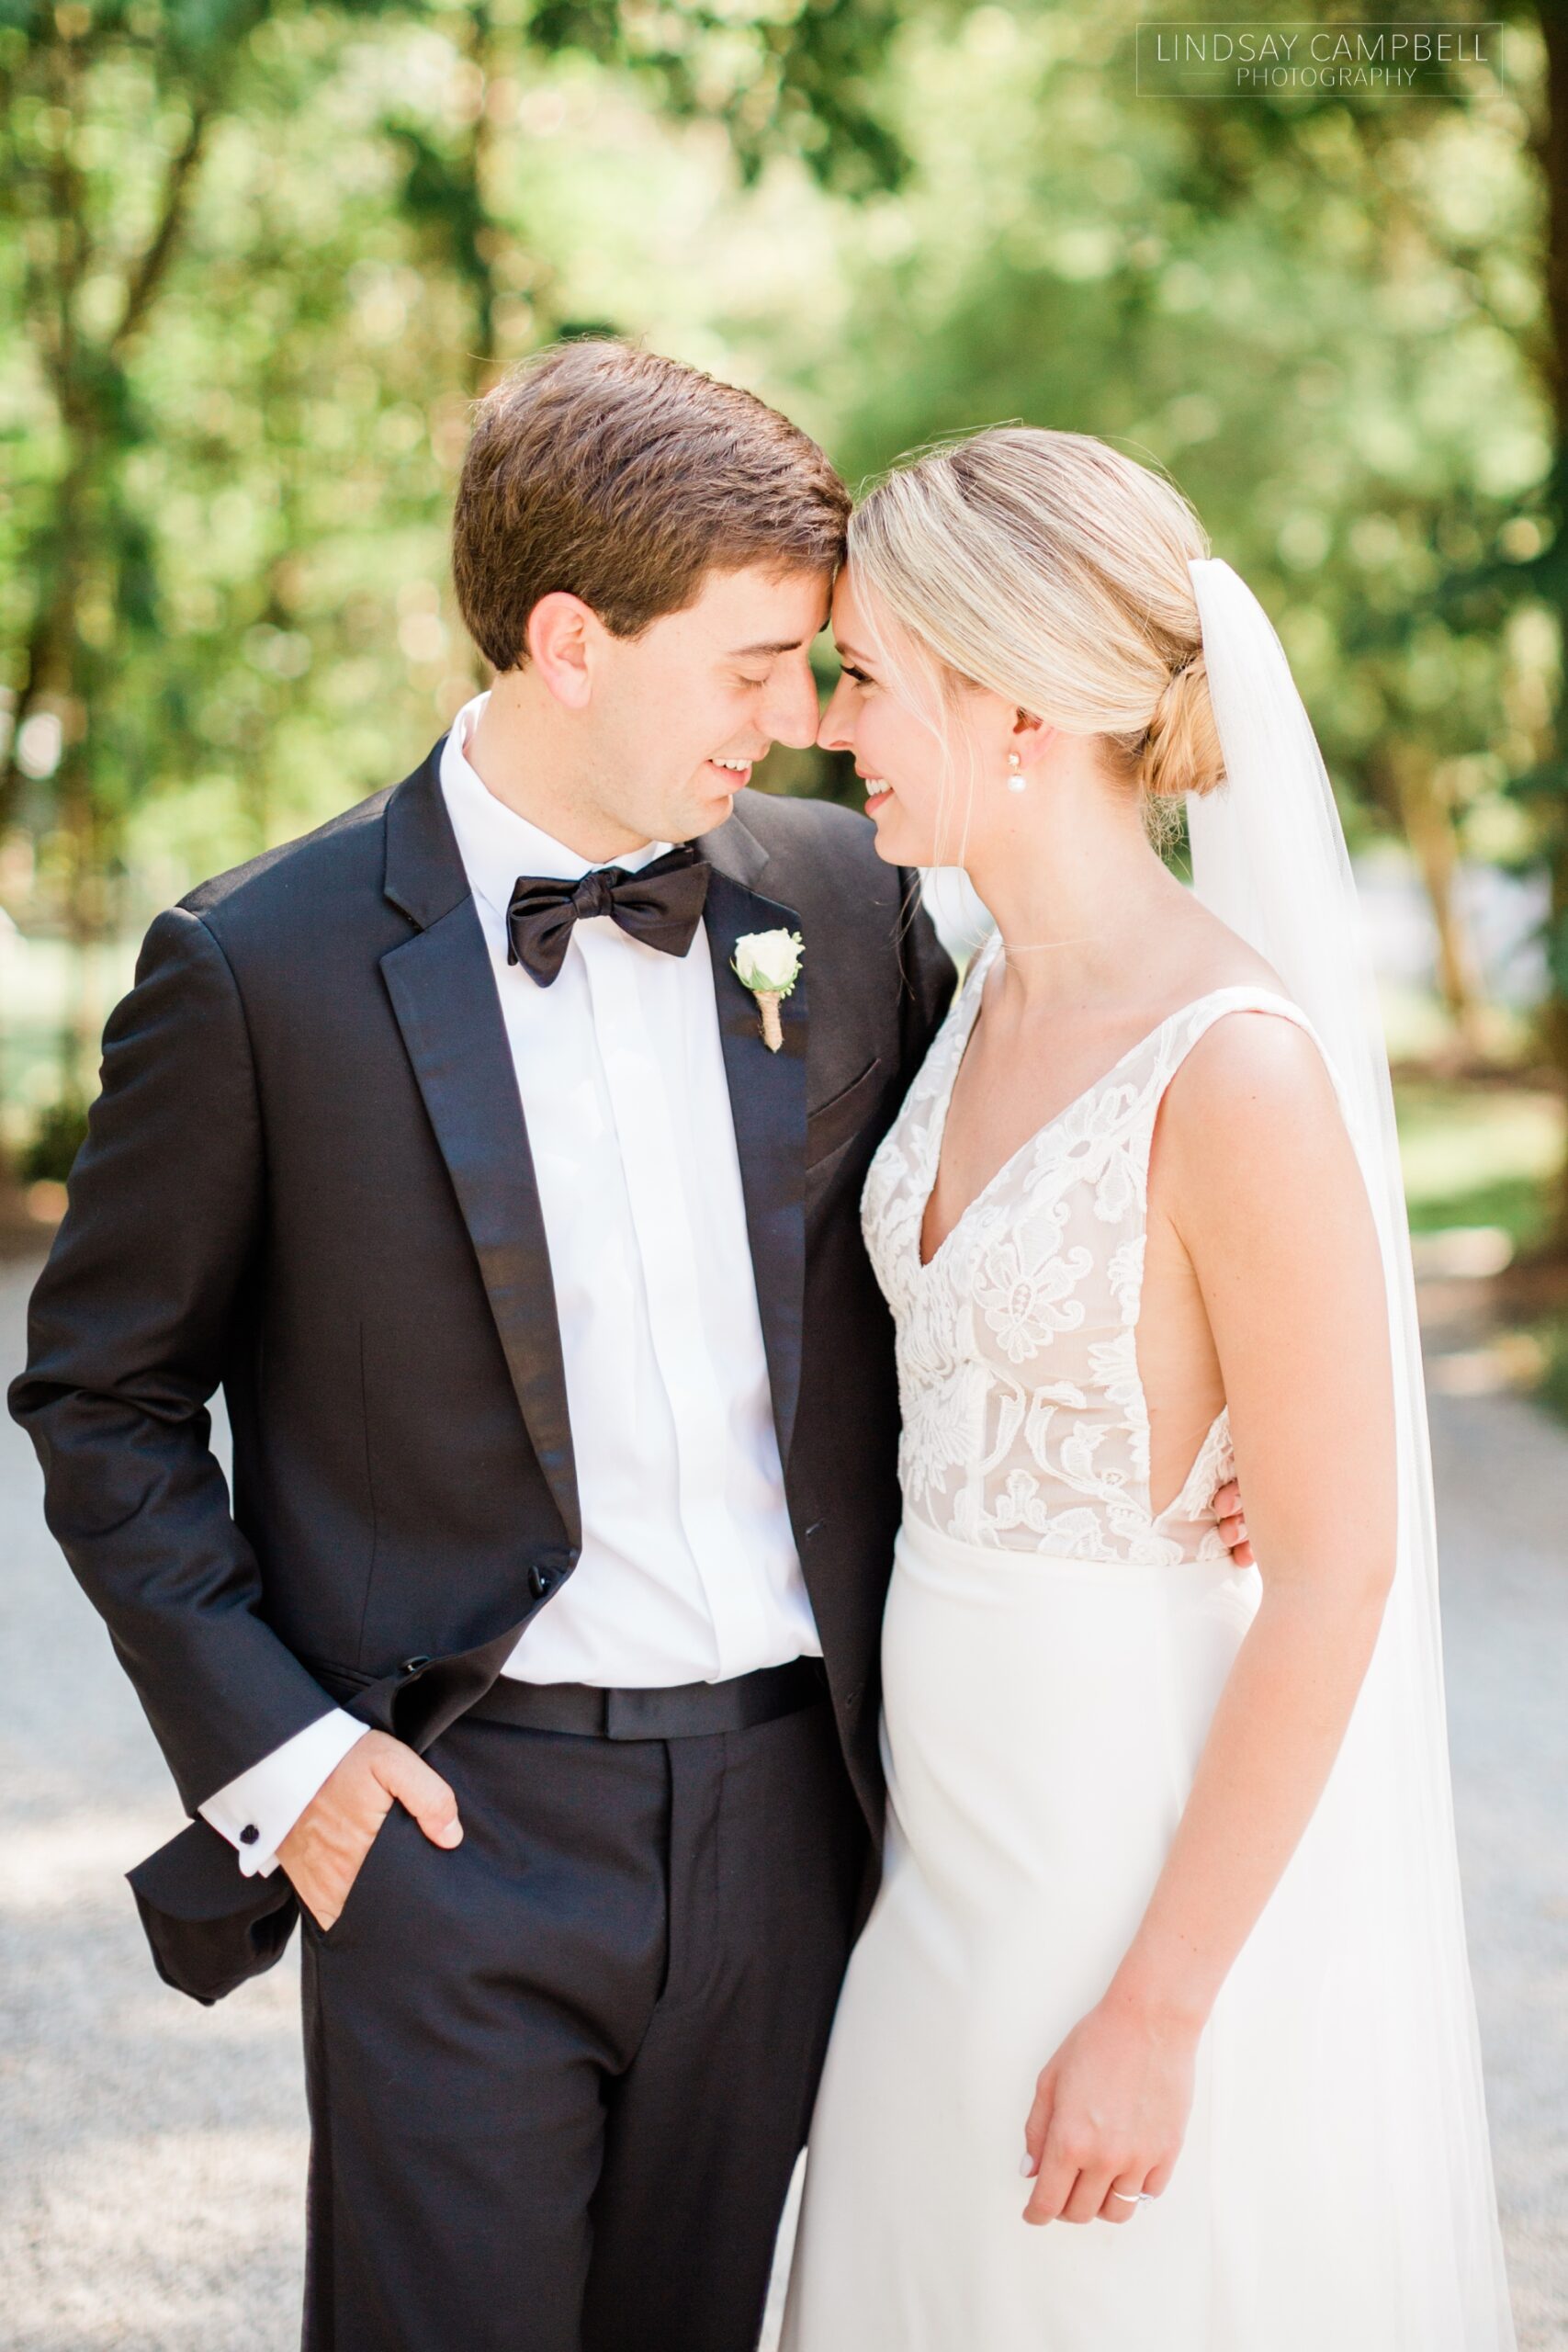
(624, 477)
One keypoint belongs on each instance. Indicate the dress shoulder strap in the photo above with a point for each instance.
(1181, 1030)
(1195, 1019)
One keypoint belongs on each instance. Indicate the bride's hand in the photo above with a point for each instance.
(1109, 2111)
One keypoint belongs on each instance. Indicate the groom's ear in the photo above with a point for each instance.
(560, 642)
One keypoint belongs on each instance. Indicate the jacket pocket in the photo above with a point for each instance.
(344, 1682)
(842, 1114)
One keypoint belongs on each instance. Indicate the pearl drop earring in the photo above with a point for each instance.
(1016, 780)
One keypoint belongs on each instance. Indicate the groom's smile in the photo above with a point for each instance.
(733, 775)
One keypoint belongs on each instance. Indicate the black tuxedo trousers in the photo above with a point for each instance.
(559, 2076)
(538, 2064)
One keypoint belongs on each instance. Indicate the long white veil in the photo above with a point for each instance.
(1366, 1923)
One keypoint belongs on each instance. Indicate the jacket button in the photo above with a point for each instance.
(413, 1666)
(539, 1582)
(249, 1833)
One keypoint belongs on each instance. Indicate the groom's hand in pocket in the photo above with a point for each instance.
(323, 1851)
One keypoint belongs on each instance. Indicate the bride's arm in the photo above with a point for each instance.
(1254, 1171)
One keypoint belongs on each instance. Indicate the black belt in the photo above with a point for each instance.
(684, 1710)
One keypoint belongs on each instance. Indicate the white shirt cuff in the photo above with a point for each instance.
(256, 1812)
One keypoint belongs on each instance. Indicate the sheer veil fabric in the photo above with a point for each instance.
(1388, 2028)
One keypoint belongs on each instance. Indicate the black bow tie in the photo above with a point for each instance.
(662, 906)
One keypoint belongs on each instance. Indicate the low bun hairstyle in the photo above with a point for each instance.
(1179, 752)
(1051, 570)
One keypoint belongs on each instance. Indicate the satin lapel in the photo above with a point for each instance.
(444, 996)
(767, 1098)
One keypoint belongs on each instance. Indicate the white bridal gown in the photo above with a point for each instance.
(1052, 1651)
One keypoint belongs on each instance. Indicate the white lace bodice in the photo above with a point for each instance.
(1024, 1420)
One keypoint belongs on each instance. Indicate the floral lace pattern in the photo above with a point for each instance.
(1024, 1419)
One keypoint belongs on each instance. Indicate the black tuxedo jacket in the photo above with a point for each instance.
(308, 1179)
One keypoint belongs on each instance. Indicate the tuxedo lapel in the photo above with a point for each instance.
(767, 1097)
(444, 996)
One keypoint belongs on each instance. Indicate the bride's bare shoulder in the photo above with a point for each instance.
(1251, 1118)
(1254, 1079)
(1255, 1062)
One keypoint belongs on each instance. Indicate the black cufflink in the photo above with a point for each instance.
(249, 1833)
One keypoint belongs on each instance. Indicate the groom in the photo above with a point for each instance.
(532, 1661)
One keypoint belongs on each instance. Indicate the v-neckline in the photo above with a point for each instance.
(938, 1131)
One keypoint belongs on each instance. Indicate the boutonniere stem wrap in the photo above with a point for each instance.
(767, 963)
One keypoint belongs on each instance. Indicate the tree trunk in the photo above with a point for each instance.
(480, 53)
(1428, 825)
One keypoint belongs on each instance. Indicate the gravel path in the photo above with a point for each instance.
(151, 2153)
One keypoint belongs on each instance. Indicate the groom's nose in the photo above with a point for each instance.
(791, 715)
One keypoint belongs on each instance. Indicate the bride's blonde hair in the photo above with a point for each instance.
(1052, 569)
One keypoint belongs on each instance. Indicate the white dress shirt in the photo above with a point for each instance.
(689, 1571)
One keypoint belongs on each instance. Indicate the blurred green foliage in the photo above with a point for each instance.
(57, 1137)
(258, 259)
(1554, 1387)
(1479, 1155)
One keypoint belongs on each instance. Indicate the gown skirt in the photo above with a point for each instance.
(1042, 1720)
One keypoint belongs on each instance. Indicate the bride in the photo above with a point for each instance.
(1169, 1922)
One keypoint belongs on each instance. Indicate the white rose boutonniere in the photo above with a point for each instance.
(767, 963)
